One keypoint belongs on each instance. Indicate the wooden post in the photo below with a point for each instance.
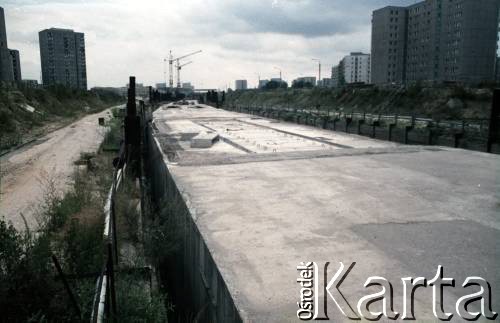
(431, 135)
(458, 137)
(131, 108)
(335, 120)
(391, 127)
(494, 121)
(374, 125)
(407, 131)
(111, 284)
(66, 286)
(347, 124)
(360, 123)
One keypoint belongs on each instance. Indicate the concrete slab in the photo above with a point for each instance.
(395, 210)
(204, 140)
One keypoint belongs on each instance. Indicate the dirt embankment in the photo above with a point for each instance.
(28, 113)
(439, 103)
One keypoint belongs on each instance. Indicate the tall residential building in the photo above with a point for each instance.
(240, 84)
(325, 82)
(336, 77)
(435, 40)
(16, 64)
(388, 45)
(6, 70)
(357, 68)
(62, 53)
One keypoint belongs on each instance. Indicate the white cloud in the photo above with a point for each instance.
(239, 39)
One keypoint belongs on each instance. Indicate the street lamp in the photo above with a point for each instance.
(258, 84)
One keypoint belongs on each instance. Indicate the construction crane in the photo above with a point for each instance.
(179, 67)
(171, 60)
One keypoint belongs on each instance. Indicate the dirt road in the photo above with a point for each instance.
(25, 172)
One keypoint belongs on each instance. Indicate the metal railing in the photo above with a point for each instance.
(104, 304)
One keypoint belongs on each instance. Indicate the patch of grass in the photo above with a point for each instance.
(417, 99)
(114, 135)
(71, 228)
(136, 303)
(54, 104)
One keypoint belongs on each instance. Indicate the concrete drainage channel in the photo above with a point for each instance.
(183, 140)
(246, 217)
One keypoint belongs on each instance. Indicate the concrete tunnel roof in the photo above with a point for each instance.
(269, 195)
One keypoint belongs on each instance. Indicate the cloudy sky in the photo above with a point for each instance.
(240, 39)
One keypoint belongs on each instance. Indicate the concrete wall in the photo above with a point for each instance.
(196, 279)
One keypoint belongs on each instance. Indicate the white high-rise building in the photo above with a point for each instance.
(357, 67)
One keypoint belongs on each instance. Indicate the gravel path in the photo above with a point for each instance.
(25, 172)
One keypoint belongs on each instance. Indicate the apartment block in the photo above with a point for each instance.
(62, 53)
(6, 70)
(353, 68)
(240, 84)
(356, 68)
(325, 82)
(435, 40)
(389, 45)
(337, 79)
(305, 81)
(16, 64)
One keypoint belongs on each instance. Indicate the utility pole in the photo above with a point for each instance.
(178, 74)
(279, 69)
(258, 75)
(319, 68)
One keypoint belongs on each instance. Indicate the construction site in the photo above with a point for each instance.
(255, 197)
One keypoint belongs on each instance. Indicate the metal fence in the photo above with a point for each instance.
(128, 163)
(104, 304)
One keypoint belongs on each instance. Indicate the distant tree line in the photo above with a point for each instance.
(302, 85)
(212, 97)
(272, 85)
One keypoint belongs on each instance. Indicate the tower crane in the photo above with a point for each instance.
(171, 60)
(179, 67)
